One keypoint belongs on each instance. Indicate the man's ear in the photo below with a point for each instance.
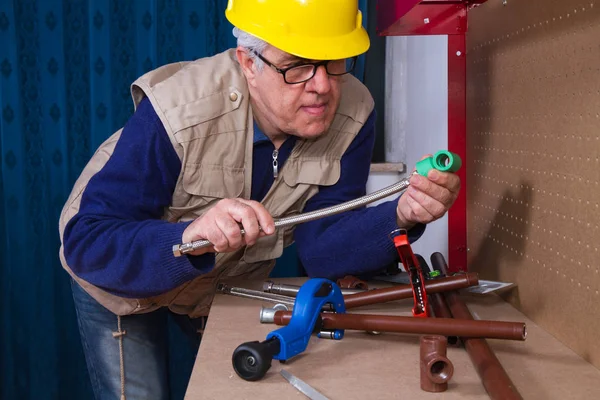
(247, 64)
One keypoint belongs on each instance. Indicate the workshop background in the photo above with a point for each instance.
(532, 145)
(65, 71)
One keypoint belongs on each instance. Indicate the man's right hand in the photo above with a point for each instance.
(222, 224)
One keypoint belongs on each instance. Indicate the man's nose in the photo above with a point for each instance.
(320, 83)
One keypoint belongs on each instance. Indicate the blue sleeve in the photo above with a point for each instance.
(355, 242)
(117, 241)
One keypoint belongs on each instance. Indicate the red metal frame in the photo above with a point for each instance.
(441, 17)
(457, 143)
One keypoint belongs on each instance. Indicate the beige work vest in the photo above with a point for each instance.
(205, 109)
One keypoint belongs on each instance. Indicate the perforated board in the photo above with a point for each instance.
(533, 170)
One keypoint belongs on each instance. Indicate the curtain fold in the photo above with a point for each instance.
(65, 71)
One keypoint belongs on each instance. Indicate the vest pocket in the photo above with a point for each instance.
(322, 172)
(265, 248)
(200, 186)
(213, 181)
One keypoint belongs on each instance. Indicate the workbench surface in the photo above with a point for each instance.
(384, 366)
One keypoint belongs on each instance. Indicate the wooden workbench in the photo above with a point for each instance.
(386, 366)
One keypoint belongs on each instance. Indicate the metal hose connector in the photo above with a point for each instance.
(180, 249)
(255, 294)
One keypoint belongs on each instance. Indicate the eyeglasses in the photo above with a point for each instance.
(304, 72)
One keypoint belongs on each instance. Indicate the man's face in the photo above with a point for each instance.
(303, 109)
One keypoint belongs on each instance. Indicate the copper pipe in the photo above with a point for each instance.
(493, 376)
(398, 292)
(436, 369)
(441, 310)
(427, 326)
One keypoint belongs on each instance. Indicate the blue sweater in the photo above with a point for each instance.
(118, 242)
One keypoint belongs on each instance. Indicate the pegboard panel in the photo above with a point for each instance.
(533, 170)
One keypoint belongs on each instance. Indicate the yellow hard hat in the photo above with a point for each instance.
(312, 29)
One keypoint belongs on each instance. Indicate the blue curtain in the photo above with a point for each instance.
(65, 71)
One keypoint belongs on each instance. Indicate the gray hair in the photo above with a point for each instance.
(251, 42)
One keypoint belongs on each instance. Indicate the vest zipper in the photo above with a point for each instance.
(275, 163)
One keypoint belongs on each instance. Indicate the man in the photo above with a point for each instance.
(275, 127)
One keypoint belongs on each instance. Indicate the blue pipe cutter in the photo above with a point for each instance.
(252, 360)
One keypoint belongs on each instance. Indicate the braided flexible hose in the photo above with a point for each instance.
(180, 249)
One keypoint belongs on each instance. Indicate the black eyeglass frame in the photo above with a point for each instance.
(315, 66)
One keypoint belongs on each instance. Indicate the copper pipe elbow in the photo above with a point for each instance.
(352, 282)
(436, 368)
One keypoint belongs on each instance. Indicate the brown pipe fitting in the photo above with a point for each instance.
(398, 292)
(436, 368)
(352, 282)
(424, 326)
(494, 378)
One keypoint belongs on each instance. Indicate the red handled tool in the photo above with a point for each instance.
(412, 266)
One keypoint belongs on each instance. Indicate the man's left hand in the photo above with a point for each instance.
(427, 198)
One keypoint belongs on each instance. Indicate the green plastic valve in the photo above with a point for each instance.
(443, 160)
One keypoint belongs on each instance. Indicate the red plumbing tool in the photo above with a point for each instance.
(415, 273)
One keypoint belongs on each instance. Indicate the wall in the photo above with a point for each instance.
(533, 100)
(416, 109)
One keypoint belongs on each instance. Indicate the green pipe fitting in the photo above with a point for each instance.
(443, 160)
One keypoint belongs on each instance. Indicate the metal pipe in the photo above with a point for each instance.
(255, 294)
(436, 368)
(495, 380)
(180, 249)
(425, 326)
(267, 315)
(292, 290)
(376, 296)
(258, 295)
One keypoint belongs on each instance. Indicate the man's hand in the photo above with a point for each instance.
(427, 198)
(221, 226)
